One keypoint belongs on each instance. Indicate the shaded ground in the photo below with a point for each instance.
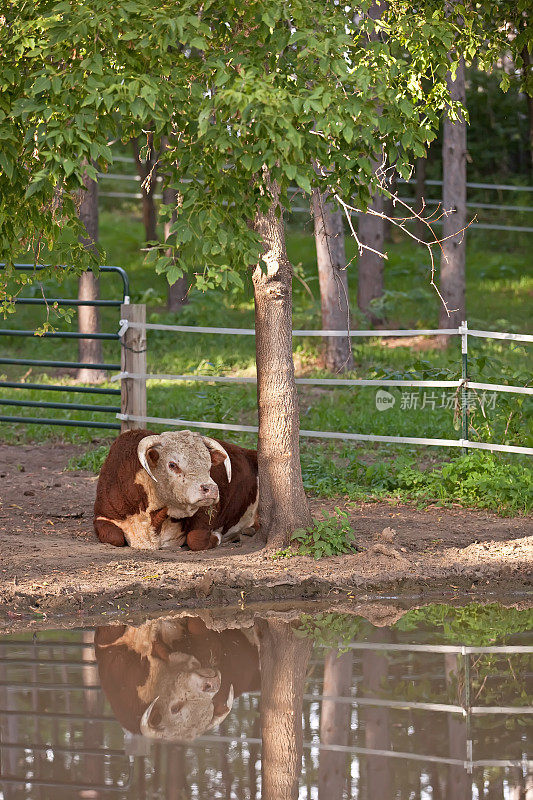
(51, 563)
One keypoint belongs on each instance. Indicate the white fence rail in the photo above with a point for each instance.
(499, 187)
(131, 414)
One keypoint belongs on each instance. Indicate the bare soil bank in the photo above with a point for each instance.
(51, 564)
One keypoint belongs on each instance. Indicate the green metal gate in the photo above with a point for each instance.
(92, 390)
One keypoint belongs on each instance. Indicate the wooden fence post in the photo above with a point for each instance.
(133, 360)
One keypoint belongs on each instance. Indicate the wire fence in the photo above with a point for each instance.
(472, 203)
(462, 385)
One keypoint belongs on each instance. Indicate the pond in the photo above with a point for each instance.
(273, 705)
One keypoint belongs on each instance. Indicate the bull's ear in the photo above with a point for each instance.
(216, 449)
(146, 449)
(160, 650)
(220, 712)
(153, 456)
(217, 457)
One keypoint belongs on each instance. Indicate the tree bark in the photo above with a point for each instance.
(89, 350)
(452, 264)
(334, 724)
(372, 229)
(525, 71)
(333, 280)
(177, 291)
(370, 265)
(282, 502)
(146, 169)
(283, 659)
(420, 228)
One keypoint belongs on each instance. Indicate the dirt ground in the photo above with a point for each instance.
(51, 564)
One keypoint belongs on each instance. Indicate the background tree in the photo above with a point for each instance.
(333, 281)
(146, 164)
(89, 350)
(453, 258)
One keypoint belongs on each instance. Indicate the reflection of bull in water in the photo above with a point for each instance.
(174, 679)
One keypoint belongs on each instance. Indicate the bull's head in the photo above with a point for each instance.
(184, 707)
(180, 463)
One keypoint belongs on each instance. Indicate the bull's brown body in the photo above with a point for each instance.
(127, 509)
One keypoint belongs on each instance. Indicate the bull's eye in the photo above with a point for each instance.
(176, 708)
(174, 467)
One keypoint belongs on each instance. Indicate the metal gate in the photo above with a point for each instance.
(45, 387)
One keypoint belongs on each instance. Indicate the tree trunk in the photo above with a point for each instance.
(89, 350)
(372, 229)
(420, 228)
(333, 279)
(334, 724)
(177, 291)
(525, 72)
(282, 502)
(376, 720)
(146, 169)
(370, 265)
(283, 659)
(452, 264)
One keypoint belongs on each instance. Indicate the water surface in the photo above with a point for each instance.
(325, 706)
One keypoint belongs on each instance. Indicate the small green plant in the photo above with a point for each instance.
(330, 536)
(287, 552)
(91, 460)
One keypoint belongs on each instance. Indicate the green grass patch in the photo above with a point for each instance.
(499, 288)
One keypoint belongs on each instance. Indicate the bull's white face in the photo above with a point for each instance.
(180, 462)
(183, 708)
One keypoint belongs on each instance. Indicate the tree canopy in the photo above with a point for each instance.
(298, 88)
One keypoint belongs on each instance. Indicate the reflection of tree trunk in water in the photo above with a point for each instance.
(459, 781)
(176, 784)
(376, 720)
(93, 734)
(334, 724)
(9, 732)
(283, 659)
(254, 751)
(495, 788)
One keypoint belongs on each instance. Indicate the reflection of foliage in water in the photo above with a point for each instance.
(473, 624)
(330, 629)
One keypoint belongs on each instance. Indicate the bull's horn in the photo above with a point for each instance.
(143, 447)
(145, 727)
(212, 444)
(221, 716)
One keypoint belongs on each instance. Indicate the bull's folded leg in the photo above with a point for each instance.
(172, 534)
(109, 533)
(202, 539)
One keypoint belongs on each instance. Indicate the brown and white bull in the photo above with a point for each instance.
(172, 488)
(174, 679)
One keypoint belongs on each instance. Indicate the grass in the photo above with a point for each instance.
(499, 289)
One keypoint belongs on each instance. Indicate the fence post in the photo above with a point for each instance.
(464, 377)
(133, 361)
